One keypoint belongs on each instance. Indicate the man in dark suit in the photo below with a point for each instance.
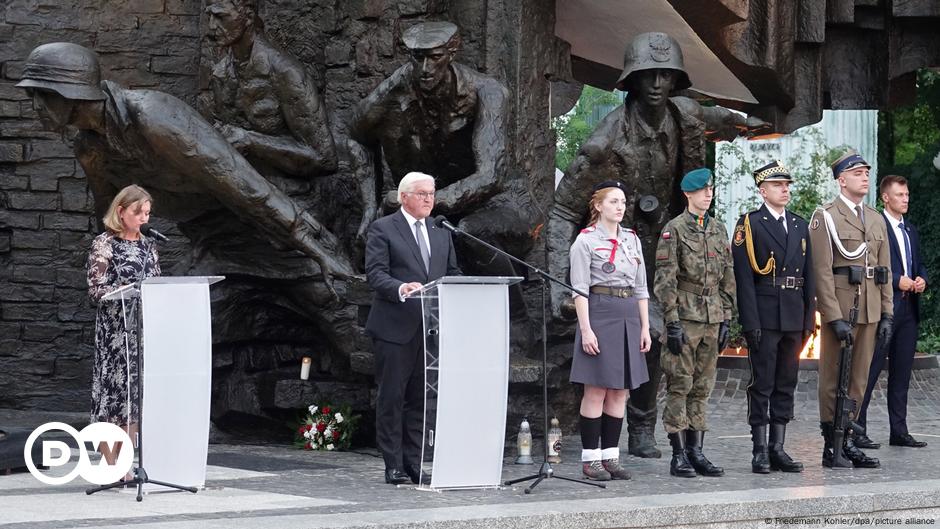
(403, 251)
(776, 309)
(909, 280)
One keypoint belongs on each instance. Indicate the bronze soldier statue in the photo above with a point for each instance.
(440, 117)
(150, 137)
(267, 105)
(649, 142)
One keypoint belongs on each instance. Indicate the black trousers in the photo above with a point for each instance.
(399, 406)
(775, 368)
(900, 357)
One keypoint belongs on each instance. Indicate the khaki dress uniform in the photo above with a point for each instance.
(834, 295)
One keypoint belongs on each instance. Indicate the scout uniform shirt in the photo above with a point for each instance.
(592, 249)
(694, 274)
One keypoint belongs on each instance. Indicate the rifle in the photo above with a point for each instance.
(842, 424)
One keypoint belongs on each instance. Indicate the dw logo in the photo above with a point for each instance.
(57, 453)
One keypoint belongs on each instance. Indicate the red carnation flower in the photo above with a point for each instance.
(321, 426)
(309, 427)
(336, 435)
(301, 430)
(308, 446)
(326, 410)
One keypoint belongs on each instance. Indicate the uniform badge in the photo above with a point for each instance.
(803, 243)
(739, 235)
(815, 224)
(666, 235)
(608, 268)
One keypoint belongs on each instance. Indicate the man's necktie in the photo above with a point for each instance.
(782, 222)
(423, 246)
(908, 254)
(858, 211)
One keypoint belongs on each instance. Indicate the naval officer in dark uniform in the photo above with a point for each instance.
(777, 311)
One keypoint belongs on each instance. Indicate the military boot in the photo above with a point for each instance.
(640, 426)
(680, 465)
(780, 460)
(859, 459)
(827, 455)
(694, 440)
(760, 463)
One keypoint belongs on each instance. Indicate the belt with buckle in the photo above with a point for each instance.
(844, 271)
(617, 292)
(783, 282)
(693, 288)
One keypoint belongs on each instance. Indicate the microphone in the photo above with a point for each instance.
(150, 232)
(441, 222)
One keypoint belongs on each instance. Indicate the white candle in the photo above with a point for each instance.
(305, 368)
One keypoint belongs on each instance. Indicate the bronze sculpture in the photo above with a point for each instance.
(445, 119)
(649, 142)
(267, 105)
(146, 136)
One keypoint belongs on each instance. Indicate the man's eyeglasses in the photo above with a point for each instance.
(422, 196)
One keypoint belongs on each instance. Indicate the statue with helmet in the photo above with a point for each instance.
(151, 138)
(649, 142)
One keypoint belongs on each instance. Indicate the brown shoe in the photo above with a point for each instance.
(615, 469)
(595, 470)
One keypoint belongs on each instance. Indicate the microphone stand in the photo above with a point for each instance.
(545, 471)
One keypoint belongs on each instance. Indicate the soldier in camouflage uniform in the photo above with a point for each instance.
(695, 284)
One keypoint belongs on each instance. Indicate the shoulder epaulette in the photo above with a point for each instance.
(589, 229)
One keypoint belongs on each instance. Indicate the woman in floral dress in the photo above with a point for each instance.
(119, 256)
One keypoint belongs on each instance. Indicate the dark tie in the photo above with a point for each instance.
(858, 211)
(423, 246)
(908, 254)
(783, 226)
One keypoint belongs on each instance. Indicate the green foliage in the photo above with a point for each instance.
(576, 126)
(809, 187)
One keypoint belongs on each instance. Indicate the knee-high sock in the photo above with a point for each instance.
(610, 431)
(590, 433)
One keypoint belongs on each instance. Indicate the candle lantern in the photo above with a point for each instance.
(554, 442)
(305, 368)
(524, 443)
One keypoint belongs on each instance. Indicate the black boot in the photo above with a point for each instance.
(859, 459)
(693, 441)
(680, 466)
(827, 455)
(640, 426)
(780, 460)
(760, 464)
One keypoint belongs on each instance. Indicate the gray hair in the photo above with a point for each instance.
(407, 183)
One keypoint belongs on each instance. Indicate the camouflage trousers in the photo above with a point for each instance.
(690, 377)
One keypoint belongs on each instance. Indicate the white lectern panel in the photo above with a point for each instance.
(473, 382)
(177, 379)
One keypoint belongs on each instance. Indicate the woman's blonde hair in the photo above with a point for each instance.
(596, 200)
(125, 198)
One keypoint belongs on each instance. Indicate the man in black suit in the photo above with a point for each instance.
(403, 251)
(776, 309)
(909, 280)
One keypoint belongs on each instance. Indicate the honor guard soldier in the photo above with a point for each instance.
(851, 266)
(695, 284)
(776, 309)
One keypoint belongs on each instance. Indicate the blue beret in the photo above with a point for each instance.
(696, 179)
(850, 159)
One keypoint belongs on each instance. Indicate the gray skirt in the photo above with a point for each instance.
(620, 364)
